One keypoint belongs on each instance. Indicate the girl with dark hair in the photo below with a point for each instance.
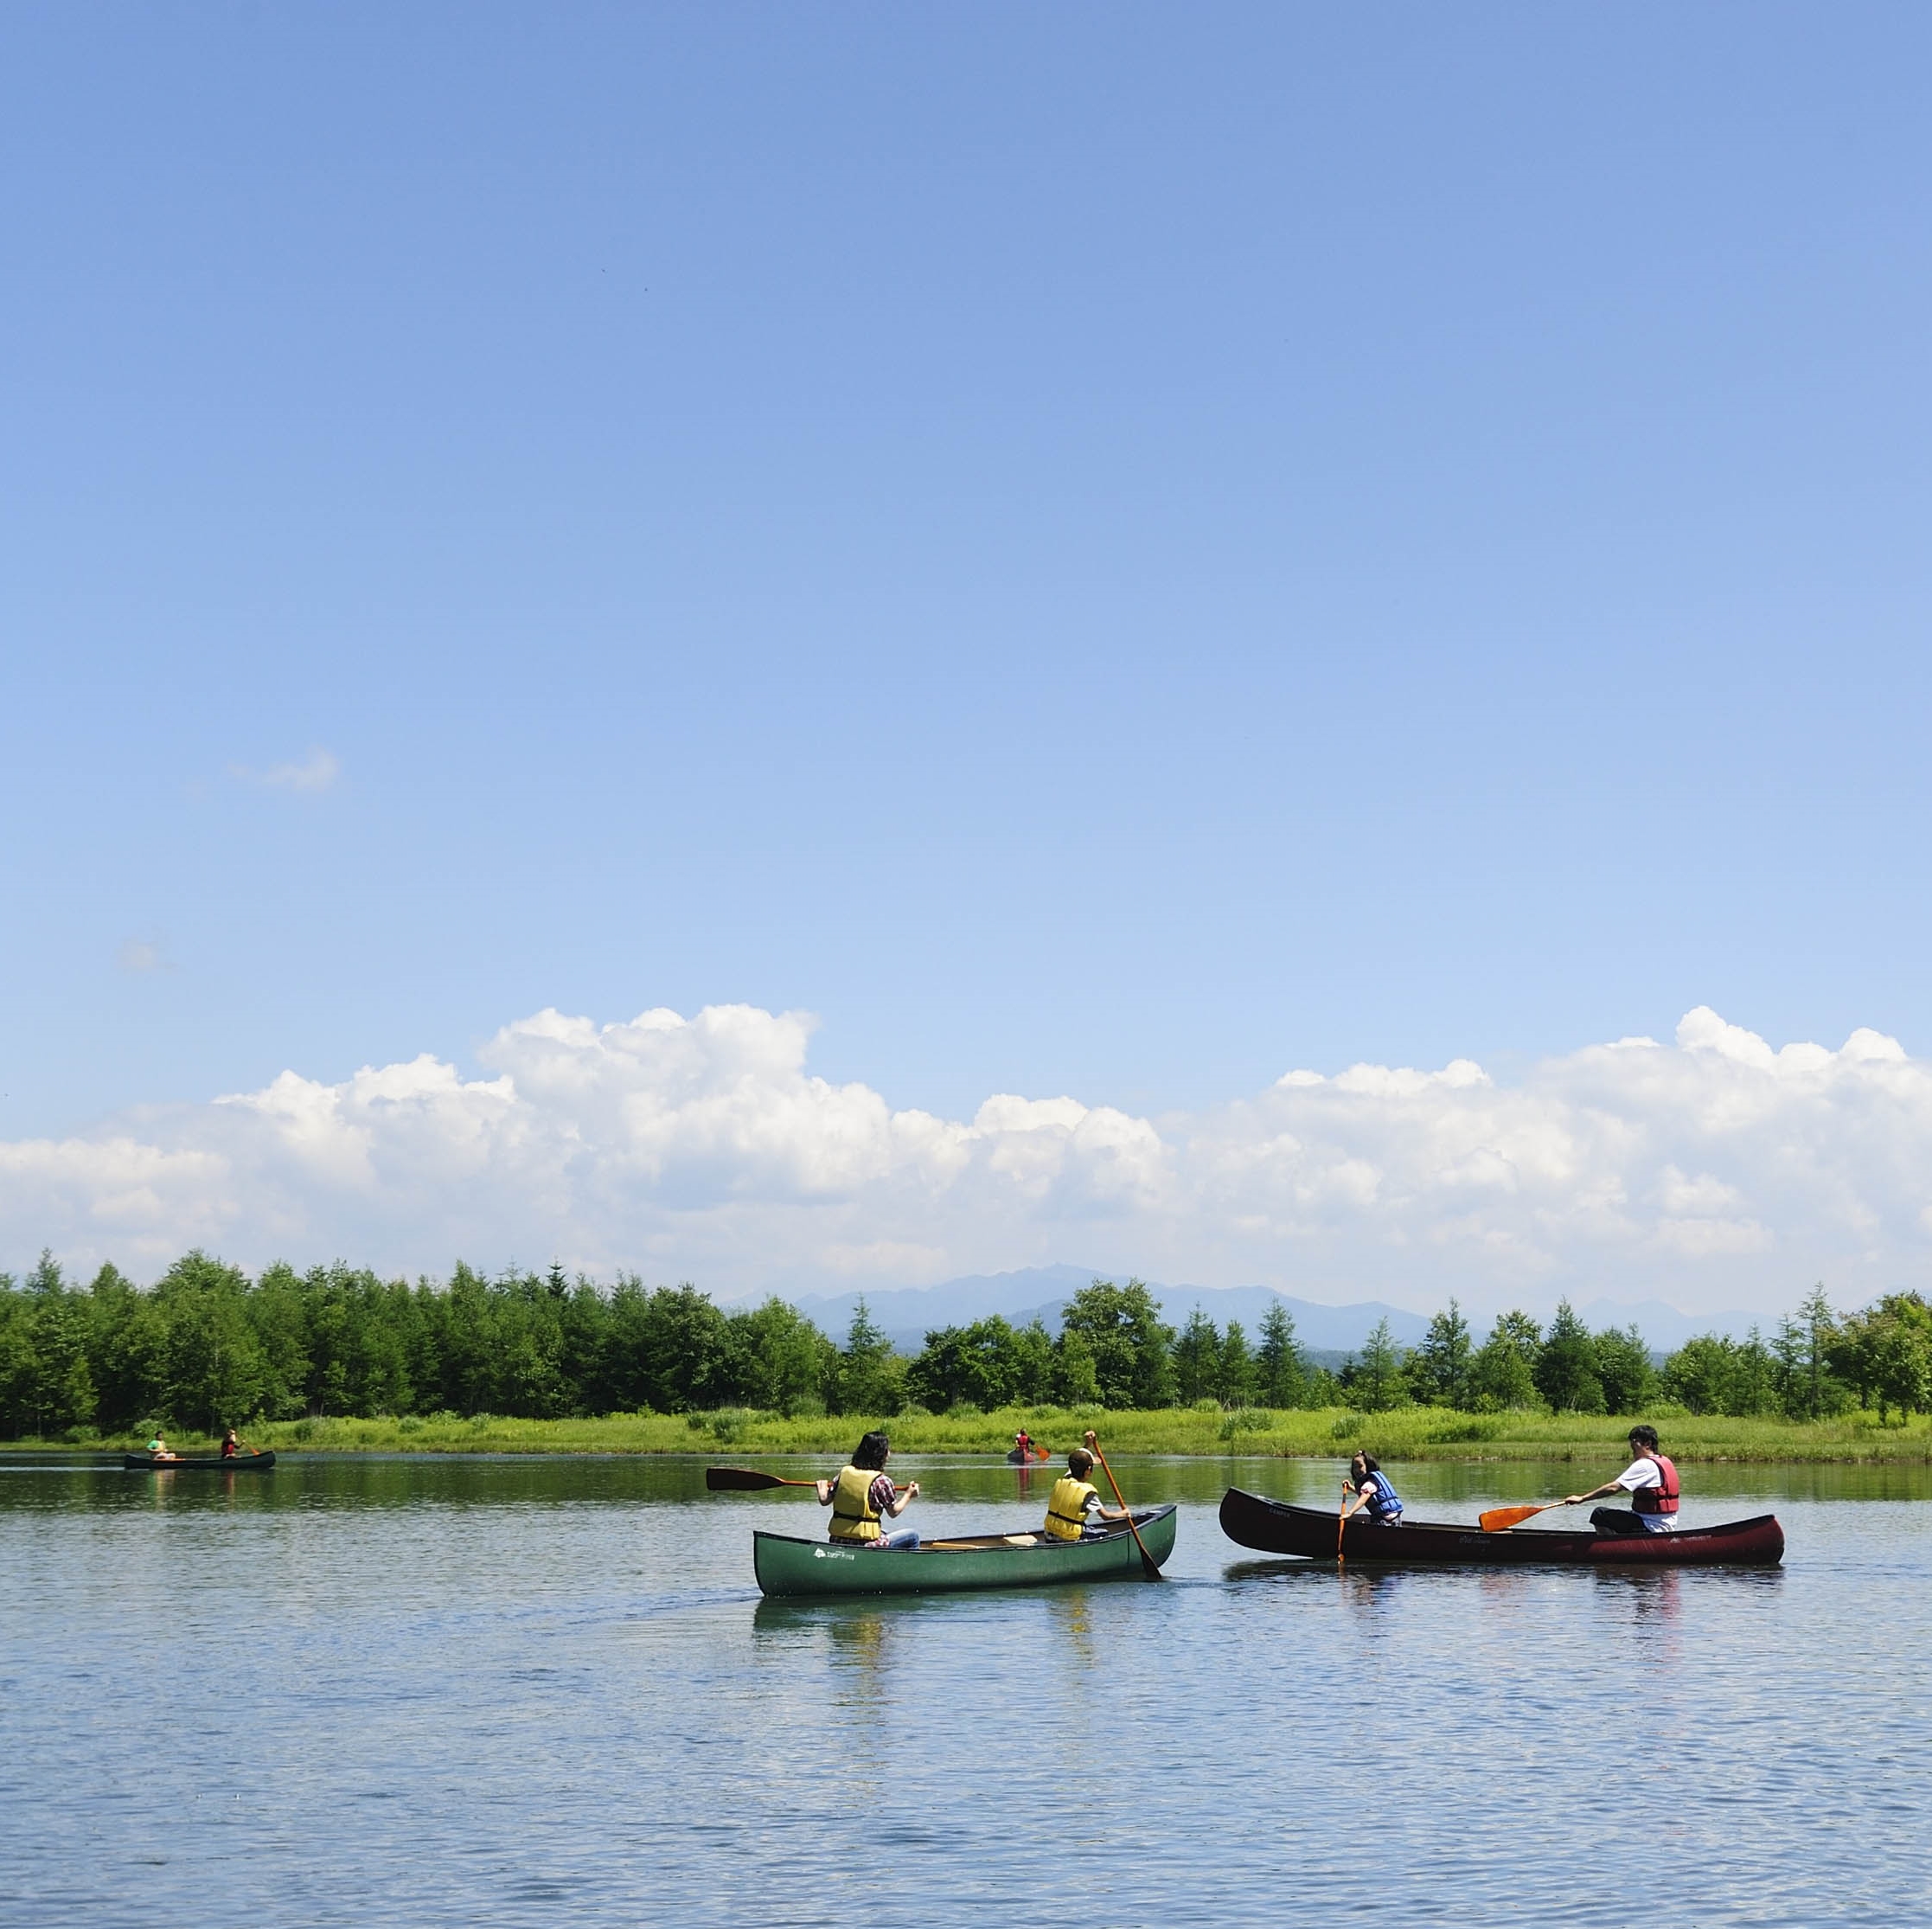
(863, 1498)
(1372, 1490)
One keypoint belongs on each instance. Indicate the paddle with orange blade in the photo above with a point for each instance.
(1500, 1519)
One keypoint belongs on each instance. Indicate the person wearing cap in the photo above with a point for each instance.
(158, 1449)
(1073, 1497)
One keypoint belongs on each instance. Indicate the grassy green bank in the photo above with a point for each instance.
(1407, 1434)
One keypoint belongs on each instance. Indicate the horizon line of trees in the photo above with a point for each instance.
(206, 1347)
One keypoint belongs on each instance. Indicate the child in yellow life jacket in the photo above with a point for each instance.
(1073, 1494)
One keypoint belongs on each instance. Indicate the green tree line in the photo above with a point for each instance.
(207, 1347)
(1816, 1364)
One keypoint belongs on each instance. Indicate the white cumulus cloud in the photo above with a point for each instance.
(1712, 1171)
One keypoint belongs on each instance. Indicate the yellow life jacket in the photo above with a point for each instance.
(853, 1516)
(1067, 1507)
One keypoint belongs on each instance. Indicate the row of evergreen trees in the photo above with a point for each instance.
(207, 1347)
(1817, 1363)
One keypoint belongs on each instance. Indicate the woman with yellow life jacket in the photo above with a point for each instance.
(1073, 1496)
(862, 1498)
(1651, 1481)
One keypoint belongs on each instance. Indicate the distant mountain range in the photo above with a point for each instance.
(906, 1314)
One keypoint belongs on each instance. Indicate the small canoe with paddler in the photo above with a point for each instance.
(199, 1463)
(861, 1556)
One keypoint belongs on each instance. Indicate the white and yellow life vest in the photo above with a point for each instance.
(1067, 1507)
(853, 1516)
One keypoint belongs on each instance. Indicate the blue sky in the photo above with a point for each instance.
(1098, 550)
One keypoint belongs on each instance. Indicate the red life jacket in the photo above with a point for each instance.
(1660, 1499)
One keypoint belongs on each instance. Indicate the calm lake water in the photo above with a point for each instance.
(541, 1691)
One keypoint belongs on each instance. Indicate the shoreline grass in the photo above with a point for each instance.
(1404, 1433)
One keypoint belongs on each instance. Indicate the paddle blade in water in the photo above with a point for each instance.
(1499, 1518)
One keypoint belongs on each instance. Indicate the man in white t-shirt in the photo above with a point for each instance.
(1651, 1481)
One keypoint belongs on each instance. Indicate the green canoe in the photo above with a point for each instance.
(786, 1566)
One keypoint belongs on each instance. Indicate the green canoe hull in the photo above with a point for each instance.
(793, 1568)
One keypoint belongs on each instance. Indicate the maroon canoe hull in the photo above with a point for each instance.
(1274, 1527)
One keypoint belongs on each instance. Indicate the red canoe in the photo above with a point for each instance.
(1274, 1527)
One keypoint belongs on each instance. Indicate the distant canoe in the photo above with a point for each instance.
(1017, 1459)
(788, 1566)
(1274, 1527)
(247, 1463)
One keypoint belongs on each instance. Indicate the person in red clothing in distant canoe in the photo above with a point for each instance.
(1651, 1481)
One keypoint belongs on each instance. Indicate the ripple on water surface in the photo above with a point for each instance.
(538, 1692)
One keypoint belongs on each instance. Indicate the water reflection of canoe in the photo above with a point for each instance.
(1274, 1527)
(955, 1564)
(253, 1463)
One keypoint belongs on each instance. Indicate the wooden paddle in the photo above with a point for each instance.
(1341, 1522)
(1148, 1567)
(1500, 1519)
(747, 1480)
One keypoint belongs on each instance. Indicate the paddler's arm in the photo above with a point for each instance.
(900, 1500)
(1604, 1492)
